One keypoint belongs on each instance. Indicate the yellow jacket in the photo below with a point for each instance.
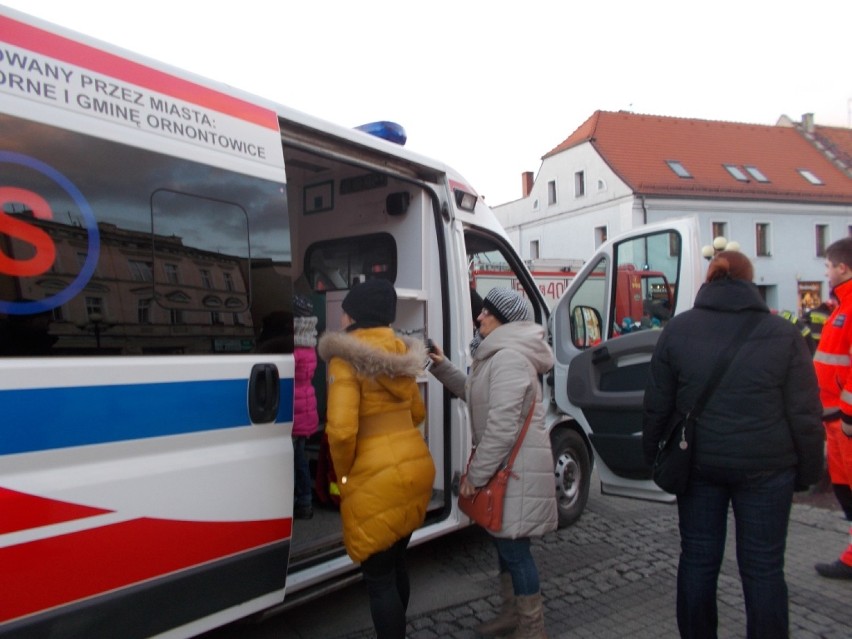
(383, 465)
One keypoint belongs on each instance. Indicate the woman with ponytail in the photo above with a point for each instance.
(757, 440)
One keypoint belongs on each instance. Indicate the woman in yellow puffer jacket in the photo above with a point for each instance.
(383, 465)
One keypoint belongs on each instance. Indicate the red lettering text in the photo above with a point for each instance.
(17, 227)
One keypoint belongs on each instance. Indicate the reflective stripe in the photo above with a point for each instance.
(846, 396)
(830, 411)
(834, 360)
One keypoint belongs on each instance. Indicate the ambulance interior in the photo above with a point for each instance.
(356, 215)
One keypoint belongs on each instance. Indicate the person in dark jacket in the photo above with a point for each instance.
(757, 440)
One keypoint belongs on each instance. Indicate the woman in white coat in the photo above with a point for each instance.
(509, 355)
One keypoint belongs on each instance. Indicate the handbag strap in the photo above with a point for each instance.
(520, 439)
(724, 361)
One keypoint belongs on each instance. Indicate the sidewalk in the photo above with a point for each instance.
(613, 574)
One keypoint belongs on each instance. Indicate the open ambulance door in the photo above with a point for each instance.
(604, 332)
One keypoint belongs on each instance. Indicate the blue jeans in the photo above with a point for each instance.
(761, 502)
(386, 576)
(302, 479)
(514, 557)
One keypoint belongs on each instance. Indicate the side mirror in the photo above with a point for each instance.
(585, 326)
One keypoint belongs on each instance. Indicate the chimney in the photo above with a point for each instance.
(527, 180)
(808, 122)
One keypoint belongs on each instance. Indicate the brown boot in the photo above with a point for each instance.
(530, 617)
(507, 620)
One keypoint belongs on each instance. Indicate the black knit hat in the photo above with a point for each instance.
(506, 305)
(372, 303)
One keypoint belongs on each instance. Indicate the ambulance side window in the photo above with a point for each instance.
(113, 249)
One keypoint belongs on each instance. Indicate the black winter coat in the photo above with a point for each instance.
(765, 414)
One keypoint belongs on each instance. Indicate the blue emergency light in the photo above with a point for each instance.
(390, 131)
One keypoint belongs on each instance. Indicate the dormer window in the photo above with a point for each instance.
(736, 172)
(810, 177)
(679, 169)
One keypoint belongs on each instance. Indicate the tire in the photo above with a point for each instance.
(573, 473)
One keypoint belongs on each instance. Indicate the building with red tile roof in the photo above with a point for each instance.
(784, 192)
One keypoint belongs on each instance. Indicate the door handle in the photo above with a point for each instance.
(264, 394)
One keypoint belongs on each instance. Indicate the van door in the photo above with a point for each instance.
(602, 359)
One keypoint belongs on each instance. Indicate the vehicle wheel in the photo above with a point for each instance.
(573, 471)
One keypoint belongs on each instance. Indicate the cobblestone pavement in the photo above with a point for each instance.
(613, 575)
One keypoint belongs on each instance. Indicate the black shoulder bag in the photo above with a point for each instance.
(674, 452)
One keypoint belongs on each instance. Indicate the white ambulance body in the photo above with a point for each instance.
(153, 231)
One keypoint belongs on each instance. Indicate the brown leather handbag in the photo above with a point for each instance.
(485, 507)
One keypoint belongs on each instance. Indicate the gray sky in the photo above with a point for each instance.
(486, 86)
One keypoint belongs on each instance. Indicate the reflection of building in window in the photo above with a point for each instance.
(171, 273)
(143, 311)
(141, 271)
(94, 306)
(551, 192)
(136, 313)
(720, 229)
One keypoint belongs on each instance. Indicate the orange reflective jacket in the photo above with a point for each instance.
(832, 359)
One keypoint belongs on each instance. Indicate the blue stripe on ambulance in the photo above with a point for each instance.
(49, 418)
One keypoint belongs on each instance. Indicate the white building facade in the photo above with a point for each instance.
(584, 194)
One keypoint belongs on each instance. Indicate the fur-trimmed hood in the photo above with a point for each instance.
(376, 353)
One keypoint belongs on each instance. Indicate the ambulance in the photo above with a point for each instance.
(153, 225)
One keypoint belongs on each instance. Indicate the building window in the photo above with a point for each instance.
(679, 169)
(810, 177)
(756, 173)
(175, 316)
(237, 319)
(535, 205)
(143, 312)
(229, 282)
(600, 235)
(94, 306)
(579, 184)
(57, 314)
(534, 247)
(736, 172)
(551, 193)
(206, 278)
(601, 185)
(761, 234)
(141, 271)
(821, 239)
(216, 317)
(171, 273)
(720, 229)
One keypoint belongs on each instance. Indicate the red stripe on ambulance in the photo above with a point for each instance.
(22, 511)
(60, 48)
(52, 572)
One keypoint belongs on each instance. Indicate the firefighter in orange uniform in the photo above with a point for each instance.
(834, 371)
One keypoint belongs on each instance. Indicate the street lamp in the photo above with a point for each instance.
(720, 244)
(97, 324)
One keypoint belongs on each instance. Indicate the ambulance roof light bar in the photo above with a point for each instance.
(390, 131)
